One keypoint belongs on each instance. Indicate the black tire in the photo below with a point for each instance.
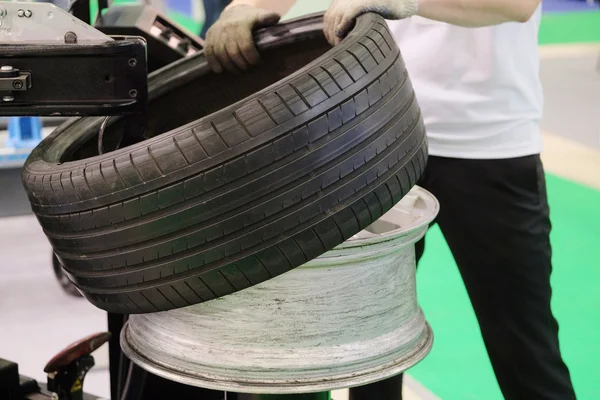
(62, 279)
(278, 166)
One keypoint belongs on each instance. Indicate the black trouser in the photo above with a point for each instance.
(494, 215)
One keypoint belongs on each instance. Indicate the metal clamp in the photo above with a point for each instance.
(13, 80)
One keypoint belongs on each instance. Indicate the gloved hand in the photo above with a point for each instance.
(229, 44)
(342, 14)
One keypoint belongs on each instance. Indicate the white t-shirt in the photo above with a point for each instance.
(478, 88)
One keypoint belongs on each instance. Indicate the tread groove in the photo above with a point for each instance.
(337, 227)
(179, 294)
(166, 298)
(369, 51)
(263, 265)
(148, 300)
(357, 60)
(226, 279)
(43, 179)
(300, 95)
(193, 291)
(243, 273)
(214, 126)
(180, 151)
(85, 179)
(101, 174)
(319, 237)
(239, 121)
(135, 168)
(355, 216)
(61, 183)
(284, 256)
(200, 143)
(369, 210)
(72, 184)
(306, 257)
(284, 103)
(319, 83)
(345, 70)
(208, 287)
(332, 78)
(387, 186)
(155, 161)
(379, 203)
(118, 173)
(133, 301)
(259, 101)
(384, 39)
(376, 45)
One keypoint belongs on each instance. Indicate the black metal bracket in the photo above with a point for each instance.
(68, 383)
(167, 41)
(102, 79)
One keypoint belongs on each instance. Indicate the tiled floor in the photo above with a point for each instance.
(412, 390)
(571, 77)
(571, 123)
(37, 319)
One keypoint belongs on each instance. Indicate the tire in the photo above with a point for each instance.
(247, 182)
(62, 279)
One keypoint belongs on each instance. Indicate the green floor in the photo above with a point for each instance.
(458, 367)
(573, 27)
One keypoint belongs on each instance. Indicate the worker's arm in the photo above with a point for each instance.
(475, 13)
(280, 7)
(229, 43)
(342, 14)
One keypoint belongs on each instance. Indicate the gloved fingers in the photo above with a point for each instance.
(229, 42)
(239, 42)
(329, 23)
(246, 40)
(221, 53)
(266, 18)
(333, 29)
(246, 45)
(209, 52)
(346, 23)
(336, 25)
(235, 55)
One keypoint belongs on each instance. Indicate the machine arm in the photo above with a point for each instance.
(54, 64)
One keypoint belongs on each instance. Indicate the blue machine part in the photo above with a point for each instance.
(182, 6)
(24, 132)
(553, 6)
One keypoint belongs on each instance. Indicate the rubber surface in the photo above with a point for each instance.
(62, 279)
(317, 145)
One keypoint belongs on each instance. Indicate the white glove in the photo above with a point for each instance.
(342, 14)
(229, 43)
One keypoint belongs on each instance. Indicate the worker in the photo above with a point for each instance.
(474, 68)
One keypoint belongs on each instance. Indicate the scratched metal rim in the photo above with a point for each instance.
(289, 386)
(297, 332)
